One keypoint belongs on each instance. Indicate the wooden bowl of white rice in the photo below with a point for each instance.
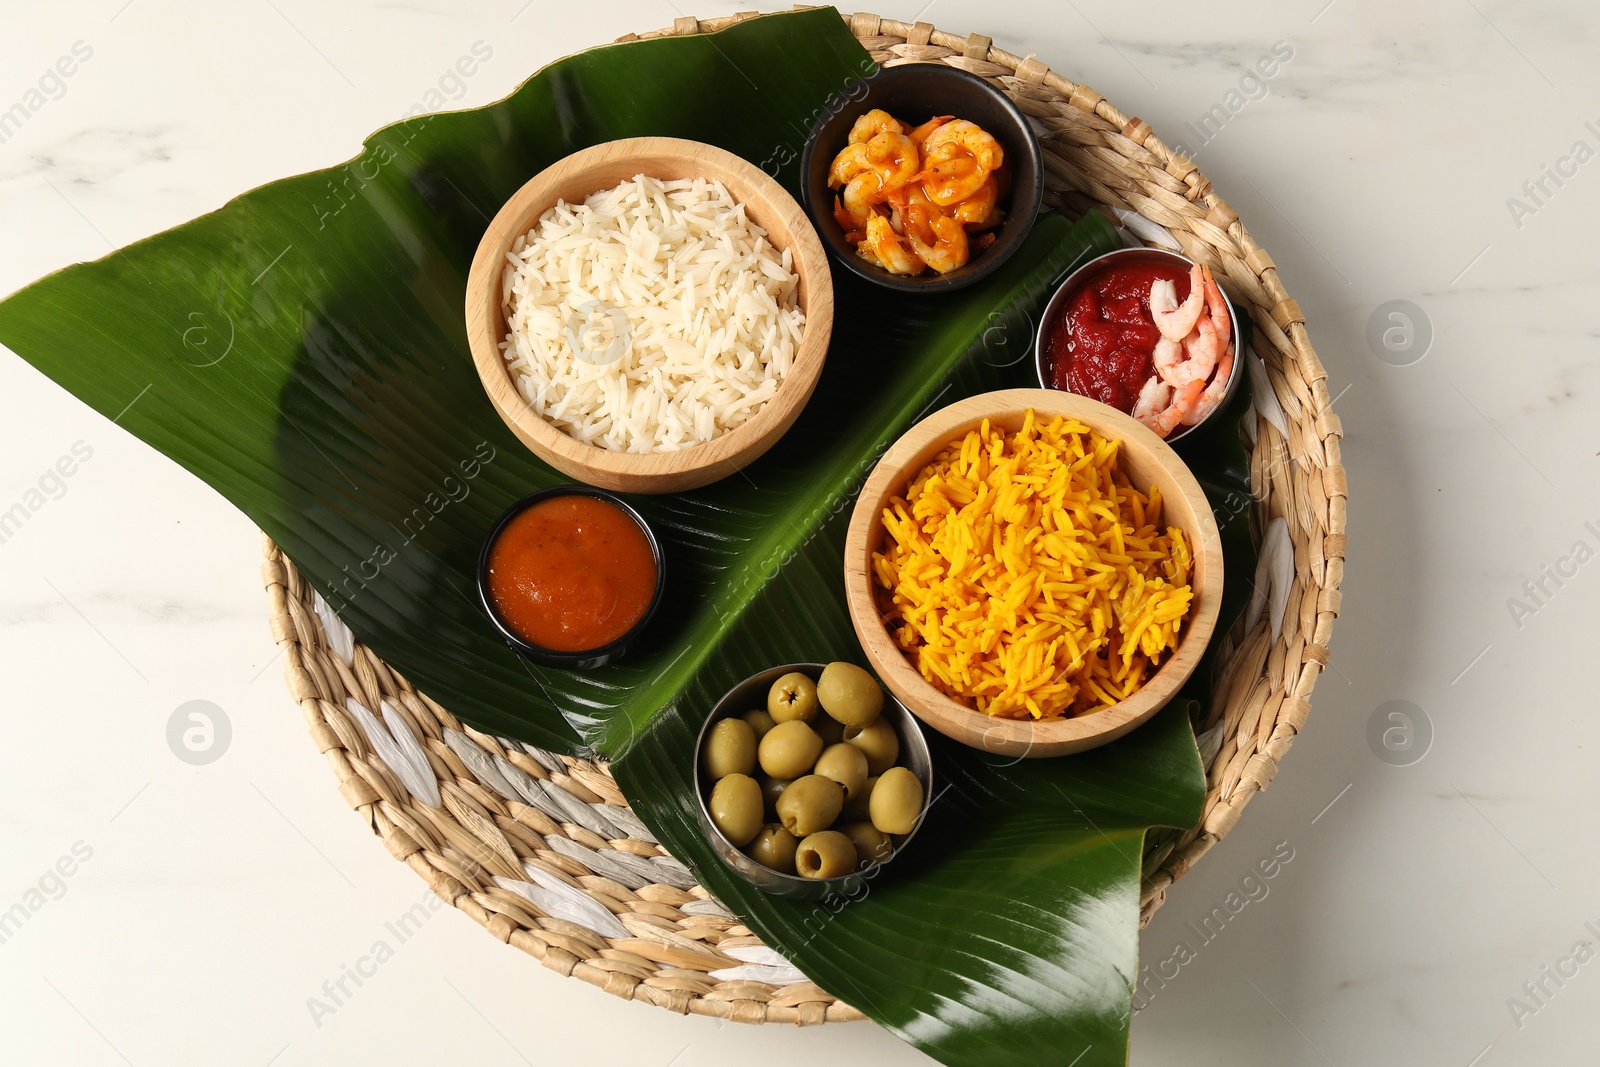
(650, 315)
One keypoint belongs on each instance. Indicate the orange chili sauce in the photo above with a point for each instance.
(571, 573)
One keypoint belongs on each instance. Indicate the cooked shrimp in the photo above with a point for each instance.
(1168, 360)
(953, 180)
(860, 198)
(873, 123)
(890, 156)
(908, 206)
(908, 196)
(945, 247)
(1173, 319)
(885, 247)
(962, 136)
(978, 210)
(1183, 401)
(1154, 398)
(1215, 392)
(1201, 349)
(1216, 308)
(920, 134)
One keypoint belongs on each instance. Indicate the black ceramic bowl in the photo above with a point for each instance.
(914, 93)
(586, 658)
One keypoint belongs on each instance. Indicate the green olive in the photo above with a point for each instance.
(771, 788)
(826, 854)
(845, 764)
(872, 844)
(759, 721)
(896, 801)
(849, 694)
(878, 742)
(859, 807)
(774, 847)
(736, 808)
(730, 749)
(828, 728)
(810, 804)
(794, 696)
(789, 750)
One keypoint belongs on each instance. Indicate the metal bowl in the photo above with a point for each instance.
(1065, 291)
(752, 693)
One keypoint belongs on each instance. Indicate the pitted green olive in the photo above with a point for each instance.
(878, 742)
(845, 764)
(792, 697)
(789, 750)
(810, 804)
(759, 721)
(735, 808)
(872, 844)
(730, 749)
(774, 847)
(896, 801)
(825, 854)
(849, 694)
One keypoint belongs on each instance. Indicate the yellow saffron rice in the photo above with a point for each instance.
(1025, 575)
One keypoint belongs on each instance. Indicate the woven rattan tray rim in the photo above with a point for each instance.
(1098, 159)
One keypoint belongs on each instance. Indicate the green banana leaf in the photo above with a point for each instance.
(302, 350)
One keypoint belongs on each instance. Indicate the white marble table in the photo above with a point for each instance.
(1385, 159)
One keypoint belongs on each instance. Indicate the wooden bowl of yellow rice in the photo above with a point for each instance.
(1051, 582)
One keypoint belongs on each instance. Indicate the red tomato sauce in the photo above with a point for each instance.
(1100, 342)
(571, 573)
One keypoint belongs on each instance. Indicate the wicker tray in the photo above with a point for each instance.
(503, 803)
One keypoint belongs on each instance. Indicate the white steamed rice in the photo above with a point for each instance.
(712, 315)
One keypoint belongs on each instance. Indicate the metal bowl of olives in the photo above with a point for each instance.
(790, 770)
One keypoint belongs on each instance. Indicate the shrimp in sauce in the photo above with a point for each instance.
(913, 198)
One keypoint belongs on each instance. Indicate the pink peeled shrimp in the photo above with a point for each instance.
(1154, 398)
(1203, 348)
(1173, 319)
(1183, 401)
(1215, 392)
(1215, 325)
(1217, 308)
(1167, 359)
